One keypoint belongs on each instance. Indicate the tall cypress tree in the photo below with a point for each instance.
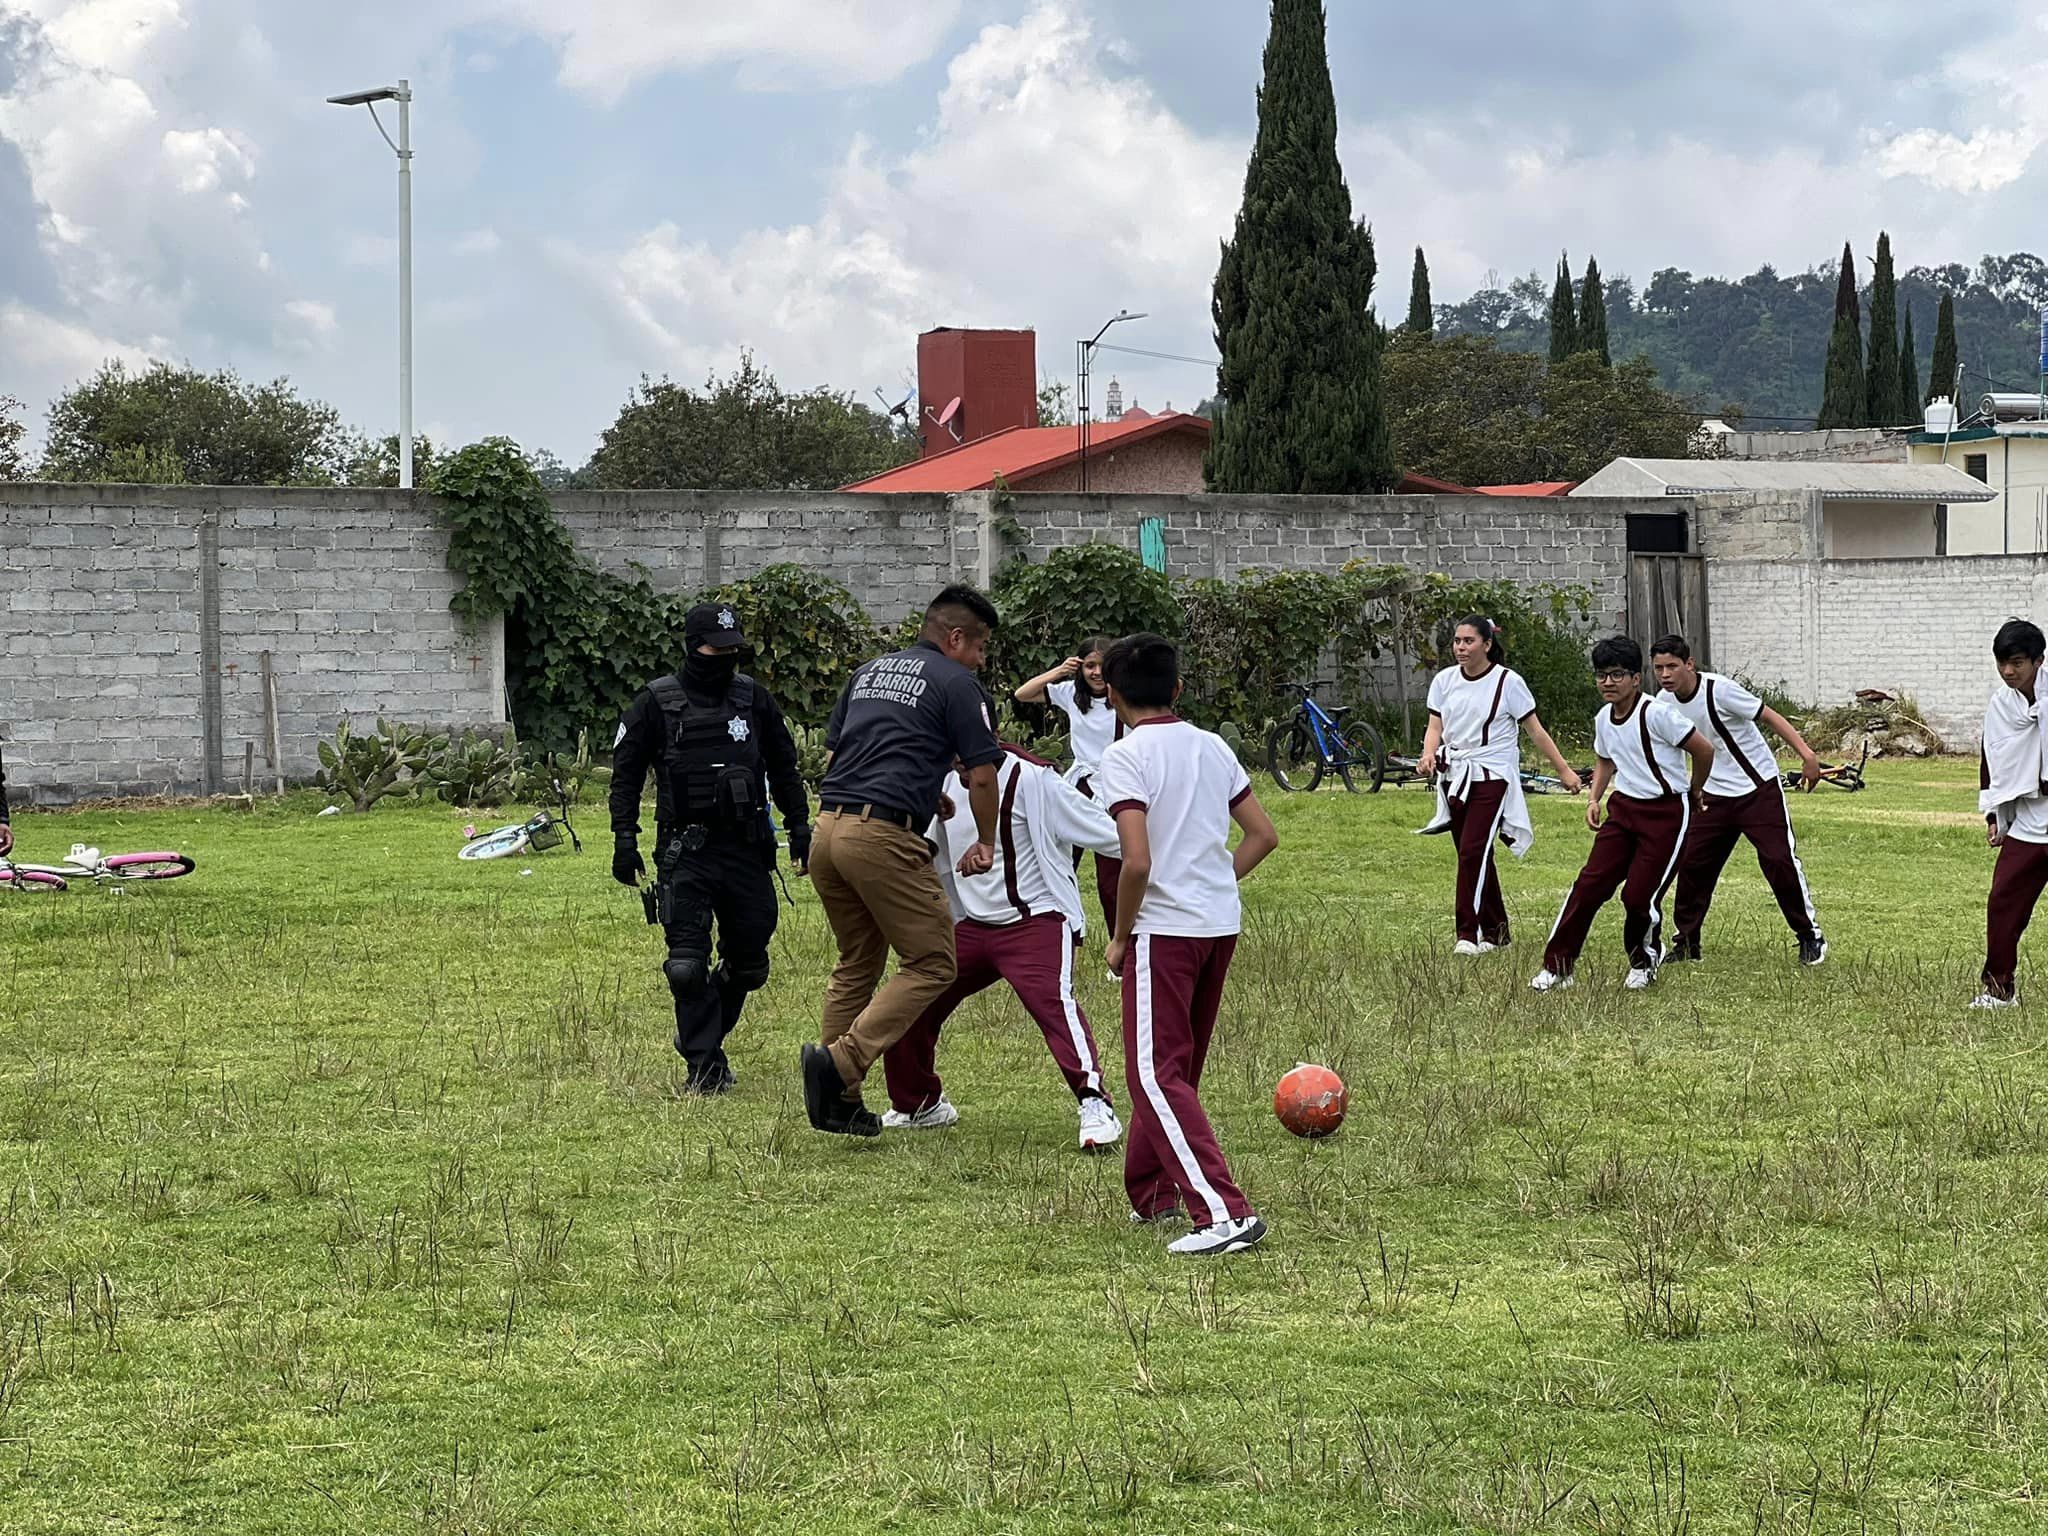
(1941, 368)
(1843, 402)
(1909, 375)
(1881, 366)
(1592, 335)
(1421, 314)
(1299, 407)
(1564, 325)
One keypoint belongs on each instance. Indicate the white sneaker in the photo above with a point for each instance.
(1992, 1000)
(1469, 947)
(1547, 980)
(1640, 977)
(1224, 1237)
(931, 1118)
(1100, 1128)
(1114, 979)
(1487, 946)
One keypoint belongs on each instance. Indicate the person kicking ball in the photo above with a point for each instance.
(1745, 798)
(1642, 745)
(1020, 922)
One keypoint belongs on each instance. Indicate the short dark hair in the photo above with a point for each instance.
(2017, 638)
(1671, 645)
(961, 607)
(1145, 669)
(1617, 651)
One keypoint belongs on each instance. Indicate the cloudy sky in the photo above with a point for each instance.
(611, 187)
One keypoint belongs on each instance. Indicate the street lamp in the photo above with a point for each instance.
(402, 94)
(1087, 354)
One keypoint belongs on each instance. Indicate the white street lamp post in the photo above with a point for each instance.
(402, 94)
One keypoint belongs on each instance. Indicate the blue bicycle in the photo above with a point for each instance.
(1314, 741)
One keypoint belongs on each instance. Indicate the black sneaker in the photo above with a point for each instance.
(1814, 950)
(1684, 947)
(825, 1100)
(715, 1081)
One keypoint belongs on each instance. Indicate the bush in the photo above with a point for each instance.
(473, 771)
(809, 633)
(366, 769)
(1050, 607)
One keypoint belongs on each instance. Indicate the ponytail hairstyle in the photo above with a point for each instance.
(1084, 698)
(1488, 631)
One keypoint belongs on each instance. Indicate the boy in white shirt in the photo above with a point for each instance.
(1642, 745)
(1020, 921)
(2013, 768)
(1174, 790)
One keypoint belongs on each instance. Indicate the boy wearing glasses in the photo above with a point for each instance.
(1642, 745)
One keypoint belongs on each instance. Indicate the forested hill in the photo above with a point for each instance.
(1759, 343)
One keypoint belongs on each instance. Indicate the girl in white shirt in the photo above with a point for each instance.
(1478, 710)
(1075, 687)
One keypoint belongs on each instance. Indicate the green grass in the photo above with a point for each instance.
(344, 1187)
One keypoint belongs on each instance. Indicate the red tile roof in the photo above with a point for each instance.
(1021, 453)
(1529, 488)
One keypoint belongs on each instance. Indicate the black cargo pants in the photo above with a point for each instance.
(729, 883)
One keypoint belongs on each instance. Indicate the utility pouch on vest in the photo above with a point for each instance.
(737, 798)
(650, 903)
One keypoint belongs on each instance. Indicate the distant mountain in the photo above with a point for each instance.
(1758, 344)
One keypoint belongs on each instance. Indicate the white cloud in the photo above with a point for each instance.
(608, 46)
(37, 343)
(200, 159)
(315, 317)
(479, 242)
(2008, 69)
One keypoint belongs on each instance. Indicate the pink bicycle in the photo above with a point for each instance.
(86, 863)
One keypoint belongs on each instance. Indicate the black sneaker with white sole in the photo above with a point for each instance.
(825, 1100)
(1814, 950)
(1225, 1236)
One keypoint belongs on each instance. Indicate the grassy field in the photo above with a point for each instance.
(344, 1187)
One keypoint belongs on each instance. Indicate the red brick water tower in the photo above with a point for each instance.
(972, 383)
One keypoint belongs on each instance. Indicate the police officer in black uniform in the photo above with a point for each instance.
(712, 734)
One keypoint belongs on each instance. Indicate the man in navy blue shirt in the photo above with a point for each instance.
(899, 727)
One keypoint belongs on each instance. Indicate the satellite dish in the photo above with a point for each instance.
(900, 408)
(952, 409)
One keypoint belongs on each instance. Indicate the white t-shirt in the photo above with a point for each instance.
(1481, 714)
(1726, 713)
(1186, 781)
(1013, 888)
(1090, 730)
(1658, 724)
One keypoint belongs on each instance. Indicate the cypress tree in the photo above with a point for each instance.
(1421, 314)
(1564, 325)
(1299, 405)
(1909, 375)
(1881, 368)
(1941, 368)
(1843, 402)
(1592, 335)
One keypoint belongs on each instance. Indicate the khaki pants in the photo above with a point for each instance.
(880, 892)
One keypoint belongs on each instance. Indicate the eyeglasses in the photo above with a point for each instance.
(1613, 675)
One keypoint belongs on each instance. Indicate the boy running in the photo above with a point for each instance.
(1174, 791)
(2013, 770)
(1744, 799)
(1642, 744)
(1020, 922)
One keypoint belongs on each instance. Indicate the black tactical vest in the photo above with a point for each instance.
(711, 769)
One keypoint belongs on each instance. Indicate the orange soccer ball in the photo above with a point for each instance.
(1310, 1100)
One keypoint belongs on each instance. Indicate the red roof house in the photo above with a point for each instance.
(1138, 454)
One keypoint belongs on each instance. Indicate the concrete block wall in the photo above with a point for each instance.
(1824, 628)
(133, 621)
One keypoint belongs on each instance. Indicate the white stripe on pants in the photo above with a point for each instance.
(1192, 1177)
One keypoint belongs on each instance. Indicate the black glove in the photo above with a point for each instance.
(627, 865)
(799, 846)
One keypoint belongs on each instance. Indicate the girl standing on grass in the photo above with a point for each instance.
(1477, 712)
(1075, 687)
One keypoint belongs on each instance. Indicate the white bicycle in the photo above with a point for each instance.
(540, 834)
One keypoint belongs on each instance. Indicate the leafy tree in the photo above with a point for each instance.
(200, 429)
(1564, 325)
(1593, 415)
(553, 474)
(12, 465)
(1421, 316)
(1843, 399)
(742, 433)
(1055, 404)
(1941, 368)
(1299, 376)
(1909, 374)
(376, 463)
(1592, 327)
(1881, 368)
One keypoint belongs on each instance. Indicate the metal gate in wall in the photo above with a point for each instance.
(1667, 594)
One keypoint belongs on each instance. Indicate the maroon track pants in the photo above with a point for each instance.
(2017, 881)
(1635, 851)
(1172, 989)
(1762, 817)
(1036, 957)
(1475, 826)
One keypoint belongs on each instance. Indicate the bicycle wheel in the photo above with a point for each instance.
(15, 877)
(1292, 757)
(500, 844)
(1363, 758)
(148, 866)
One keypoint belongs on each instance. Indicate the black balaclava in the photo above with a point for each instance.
(710, 674)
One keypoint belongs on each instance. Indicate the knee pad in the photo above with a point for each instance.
(686, 975)
(744, 976)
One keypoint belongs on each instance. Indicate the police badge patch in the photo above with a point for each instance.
(726, 620)
(738, 729)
